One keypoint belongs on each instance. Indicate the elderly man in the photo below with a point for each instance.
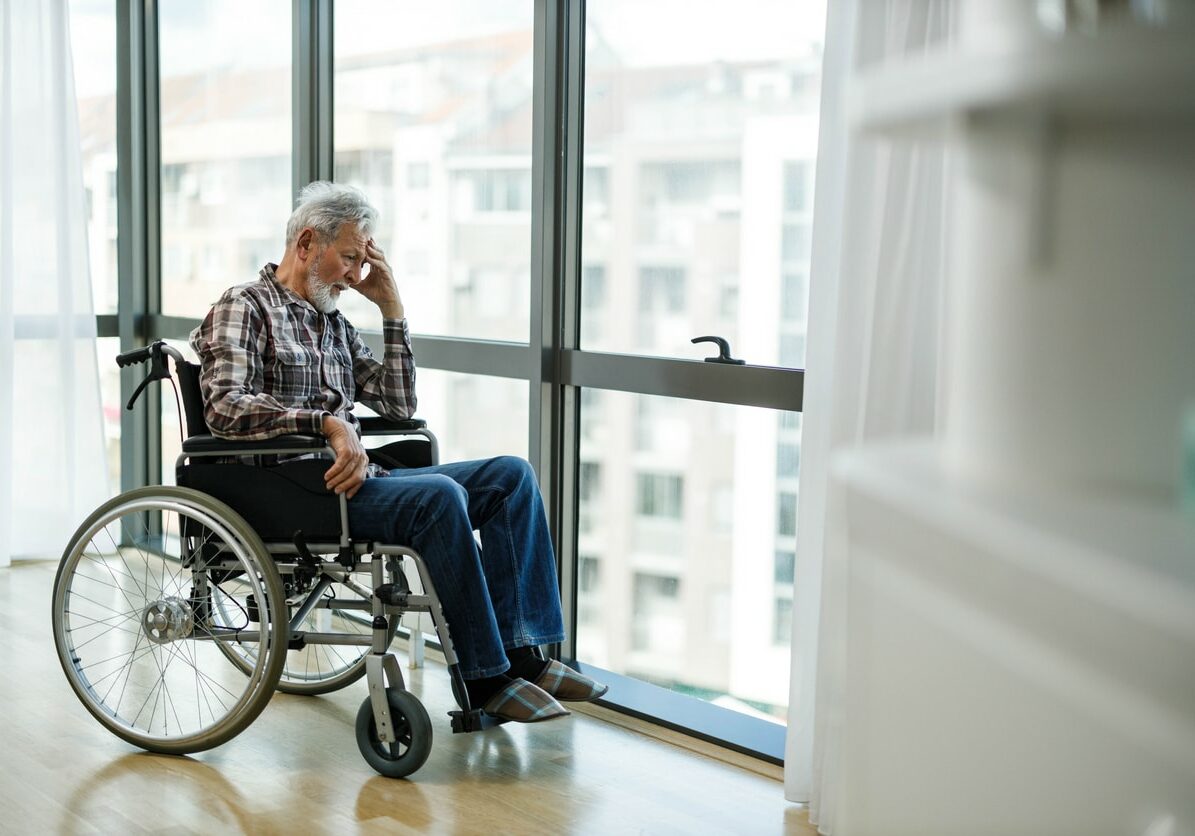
(277, 357)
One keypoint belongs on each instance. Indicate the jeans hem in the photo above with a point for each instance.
(533, 641)
(482, 673)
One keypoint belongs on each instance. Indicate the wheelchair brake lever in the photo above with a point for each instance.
(305, 555)
(158, 370)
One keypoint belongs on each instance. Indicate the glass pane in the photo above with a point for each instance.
(687, 545)
(106, 349)
(433, 120)
(93, 51)
(226, 145)
(700, 142)
(473, 416)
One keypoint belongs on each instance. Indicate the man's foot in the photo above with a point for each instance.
(523, 702)
(566, 684)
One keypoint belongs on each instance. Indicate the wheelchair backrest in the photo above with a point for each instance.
(192, 395)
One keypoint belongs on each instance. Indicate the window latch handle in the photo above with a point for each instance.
(723, 350)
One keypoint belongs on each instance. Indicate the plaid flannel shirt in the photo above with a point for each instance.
(272, 364)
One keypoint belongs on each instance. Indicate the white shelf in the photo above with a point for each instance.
(1128, 71)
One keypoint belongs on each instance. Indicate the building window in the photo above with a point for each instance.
(786, 514)
(783, 621)
(589, 478)
(661, 290)
(796, 187)
(792, 351)
(502, 191)
(794, 295)
(794, 244)
(588, 573)
(786, 563)
(659, 495)
(593, 284)
(657, 624)
(788, 459)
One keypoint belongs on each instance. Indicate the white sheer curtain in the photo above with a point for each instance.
(52, 465)
(876, 297)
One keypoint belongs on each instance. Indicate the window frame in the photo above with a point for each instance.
(552, 361)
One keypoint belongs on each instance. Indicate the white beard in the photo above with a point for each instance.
(323, 296)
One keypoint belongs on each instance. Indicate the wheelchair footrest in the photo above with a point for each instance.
(471, 721)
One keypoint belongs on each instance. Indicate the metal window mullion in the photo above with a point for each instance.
(569, 399)
(550, 277)
(139, 245)
(311, 92)
(544, 260)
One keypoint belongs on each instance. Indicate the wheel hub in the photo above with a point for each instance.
(167, 620)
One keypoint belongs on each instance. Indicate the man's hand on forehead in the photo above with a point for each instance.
(379, 285)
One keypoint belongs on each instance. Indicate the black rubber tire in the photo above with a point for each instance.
(412, 727)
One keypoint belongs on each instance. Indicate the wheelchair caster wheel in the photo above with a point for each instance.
(412, 730)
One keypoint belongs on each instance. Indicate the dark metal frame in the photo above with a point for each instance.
(552, 361)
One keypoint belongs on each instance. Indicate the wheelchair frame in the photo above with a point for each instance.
(390, 715)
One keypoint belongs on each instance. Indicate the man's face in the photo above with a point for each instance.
(335, 267)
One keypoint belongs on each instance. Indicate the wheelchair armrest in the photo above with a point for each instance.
(211, 444)
(371, 425)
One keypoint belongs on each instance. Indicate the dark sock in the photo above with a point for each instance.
(480, 690)
(524, 663)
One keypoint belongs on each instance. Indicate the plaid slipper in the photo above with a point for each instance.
(523, 702)
(564, 683)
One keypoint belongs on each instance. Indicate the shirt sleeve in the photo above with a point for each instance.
(387, 387)
(230, 342)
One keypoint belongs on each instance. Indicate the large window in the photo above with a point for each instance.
(433, 119)
(700, 137)
(226, 139)
(569, 193)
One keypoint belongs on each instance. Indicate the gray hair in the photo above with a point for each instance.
(326, 207)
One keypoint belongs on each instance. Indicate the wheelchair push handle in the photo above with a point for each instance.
(137, 355)
(152, 351)
(156, 352)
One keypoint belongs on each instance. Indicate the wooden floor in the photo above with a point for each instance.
(297, 770)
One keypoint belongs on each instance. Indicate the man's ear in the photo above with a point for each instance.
(305, 243)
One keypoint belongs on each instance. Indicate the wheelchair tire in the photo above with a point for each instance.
(413, 730)
(316, 668)
(134, 630)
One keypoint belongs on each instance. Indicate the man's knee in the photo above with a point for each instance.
(441, 495)
(515, 470)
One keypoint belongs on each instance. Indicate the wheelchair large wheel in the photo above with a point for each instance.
(412, 730)
(135, 630)
(312, 668)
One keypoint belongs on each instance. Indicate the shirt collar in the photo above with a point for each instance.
(277, 294)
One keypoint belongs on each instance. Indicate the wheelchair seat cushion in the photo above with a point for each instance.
(276, 500)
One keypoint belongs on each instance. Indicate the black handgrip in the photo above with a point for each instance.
(137, 355)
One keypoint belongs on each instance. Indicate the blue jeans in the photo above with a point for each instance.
(504, 594)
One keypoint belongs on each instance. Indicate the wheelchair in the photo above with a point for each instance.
(178, 611)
